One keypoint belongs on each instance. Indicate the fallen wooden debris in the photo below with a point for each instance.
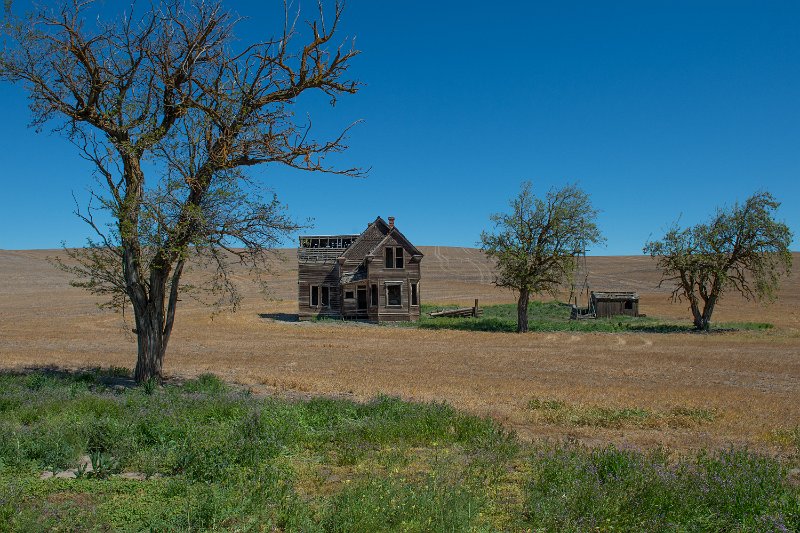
(461, 312)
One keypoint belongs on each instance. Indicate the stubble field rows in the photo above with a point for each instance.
(685, 391)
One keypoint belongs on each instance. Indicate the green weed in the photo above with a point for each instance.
(218, 459)
(561, 413)
(206, 383)
(576, 489)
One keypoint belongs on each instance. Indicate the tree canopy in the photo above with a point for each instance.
(536, 244)
(170, 109)
(741, 249)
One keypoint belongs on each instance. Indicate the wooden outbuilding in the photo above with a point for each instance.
(608, 304)
(372, 276)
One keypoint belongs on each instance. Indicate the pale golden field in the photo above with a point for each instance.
(746, 384)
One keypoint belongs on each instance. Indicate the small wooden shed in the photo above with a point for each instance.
(607, 304)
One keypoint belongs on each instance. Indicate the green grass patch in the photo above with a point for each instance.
(558, 412)
(574, 489)
(217, 458)
(554, 316)
(786, 438)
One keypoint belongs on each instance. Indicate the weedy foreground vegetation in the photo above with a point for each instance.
(554, 316)
(211, 457)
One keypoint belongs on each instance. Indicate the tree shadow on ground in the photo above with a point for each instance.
(281, 317)
(112, 377)
(661, 328)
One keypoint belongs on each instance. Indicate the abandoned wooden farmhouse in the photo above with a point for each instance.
(372, 276)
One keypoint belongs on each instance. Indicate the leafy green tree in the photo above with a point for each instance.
(536, 244)
(742, 249)
(170, 108)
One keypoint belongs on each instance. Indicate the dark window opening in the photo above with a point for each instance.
(314, 296)
(629, 305)
(373, 295)
(414, 298)
(393, 295)
(348, 295)
(399, 258)
(326, 296)
(362, 297)
(389, 257)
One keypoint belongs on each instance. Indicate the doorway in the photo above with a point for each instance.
(361, 294)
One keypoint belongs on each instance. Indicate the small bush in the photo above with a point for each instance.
(38, 380)
(206, 383)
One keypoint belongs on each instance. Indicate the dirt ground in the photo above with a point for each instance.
(750, 381)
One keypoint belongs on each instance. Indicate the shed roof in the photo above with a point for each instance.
(615, 295)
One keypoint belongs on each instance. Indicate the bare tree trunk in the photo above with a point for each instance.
(154, 321)
(697, 315)
(522, 311)
(149, 332)
(708, 310)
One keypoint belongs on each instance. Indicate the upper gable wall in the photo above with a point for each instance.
(410, 269)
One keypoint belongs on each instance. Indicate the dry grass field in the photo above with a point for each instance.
(685, 391)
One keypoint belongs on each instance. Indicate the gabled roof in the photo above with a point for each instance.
(399, 237)
(376, 234)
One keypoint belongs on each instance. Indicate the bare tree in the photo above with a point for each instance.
(171, 89)
(743, 249)
(535, 245)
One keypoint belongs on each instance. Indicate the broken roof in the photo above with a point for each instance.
(351, 277)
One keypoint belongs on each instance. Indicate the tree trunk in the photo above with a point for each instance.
(708, 310)
(697, 315)
(149, 334)
(154, 321)
(522, 311)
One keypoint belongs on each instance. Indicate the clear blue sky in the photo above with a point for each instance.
(657, 109)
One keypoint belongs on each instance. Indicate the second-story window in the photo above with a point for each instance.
(394, 257)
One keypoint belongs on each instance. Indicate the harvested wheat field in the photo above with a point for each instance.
(685, 391)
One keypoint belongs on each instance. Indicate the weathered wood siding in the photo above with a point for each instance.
(609, 308)
(379, 275)
(320, 274)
